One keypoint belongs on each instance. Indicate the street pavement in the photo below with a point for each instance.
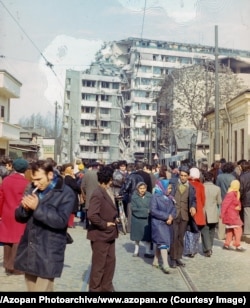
(223, 271)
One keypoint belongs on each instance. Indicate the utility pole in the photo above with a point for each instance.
(71, 140)
(217, 127)
(151, 145)
(55, 132)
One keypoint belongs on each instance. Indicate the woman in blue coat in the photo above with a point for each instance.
(163, 211)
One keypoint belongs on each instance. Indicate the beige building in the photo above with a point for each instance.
(9, 89)
(234, 128)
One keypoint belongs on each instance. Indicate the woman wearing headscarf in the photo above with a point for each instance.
(140, 219)
(196, 223)
(163, 211)
(230, 215)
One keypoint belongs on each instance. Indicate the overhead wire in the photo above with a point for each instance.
(47, 62)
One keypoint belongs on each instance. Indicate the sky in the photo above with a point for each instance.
(68, 33)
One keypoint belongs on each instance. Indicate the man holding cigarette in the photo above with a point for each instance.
(46, 212)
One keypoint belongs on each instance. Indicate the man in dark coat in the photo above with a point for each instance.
(40, 253)
(145, 175)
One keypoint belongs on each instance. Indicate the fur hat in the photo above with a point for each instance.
(20, 165)
(194, 173)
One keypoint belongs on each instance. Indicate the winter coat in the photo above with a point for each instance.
(129, 186)
(223, 181)
(42, 246)
(146, 179)
(229, 215)
(199, 217)
(11, 193)
(140, 217)
(160, 208)
(72, 183)
(212, 202)
(102, 209)
(245, 189)
(89, 184)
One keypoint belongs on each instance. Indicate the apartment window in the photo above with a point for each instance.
(86, 122)
(68, 94)
(145, 81)
(105, 98)
(68, 81)
(145, 69)
(104, 110)
(115, 85)
(2, 112)
(88, 97)
(86, 109)
(104, 124)
(105, 137)
(88, 83)
(103, 149)
(105, 84)
(157, 70)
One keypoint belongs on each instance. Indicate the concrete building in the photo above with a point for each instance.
(92, 120)
(111, 110)
(9, 89)
(234, 128)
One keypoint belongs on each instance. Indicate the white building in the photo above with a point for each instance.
(9, 89)
(234, 129)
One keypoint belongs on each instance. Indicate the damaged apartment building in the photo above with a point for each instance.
(111, 110)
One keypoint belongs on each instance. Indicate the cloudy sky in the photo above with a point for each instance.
(67, 34)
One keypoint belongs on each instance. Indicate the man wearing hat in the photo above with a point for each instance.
(11, 192)
(185, 198)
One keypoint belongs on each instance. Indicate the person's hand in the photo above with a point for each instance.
(30, 202)
(192, 211)
(110, 224)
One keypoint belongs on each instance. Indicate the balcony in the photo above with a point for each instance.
(9, 86)
(9, 131)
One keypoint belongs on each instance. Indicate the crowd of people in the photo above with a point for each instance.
(170, 213)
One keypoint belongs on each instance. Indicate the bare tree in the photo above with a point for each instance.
(38, 121)
(193, 93)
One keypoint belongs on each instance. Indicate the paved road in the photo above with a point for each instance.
(224, 271)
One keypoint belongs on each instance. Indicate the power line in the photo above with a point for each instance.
(49, 64)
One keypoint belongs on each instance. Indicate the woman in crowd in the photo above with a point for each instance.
(230, 215)
(192, 235)
(140, 219)
(163, 211)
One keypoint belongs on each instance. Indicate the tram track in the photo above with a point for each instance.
(188, 281)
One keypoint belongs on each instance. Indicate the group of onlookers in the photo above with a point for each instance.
(169, 210)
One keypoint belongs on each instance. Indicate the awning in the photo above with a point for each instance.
(23, 149)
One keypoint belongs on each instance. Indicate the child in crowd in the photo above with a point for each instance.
(230, 215)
